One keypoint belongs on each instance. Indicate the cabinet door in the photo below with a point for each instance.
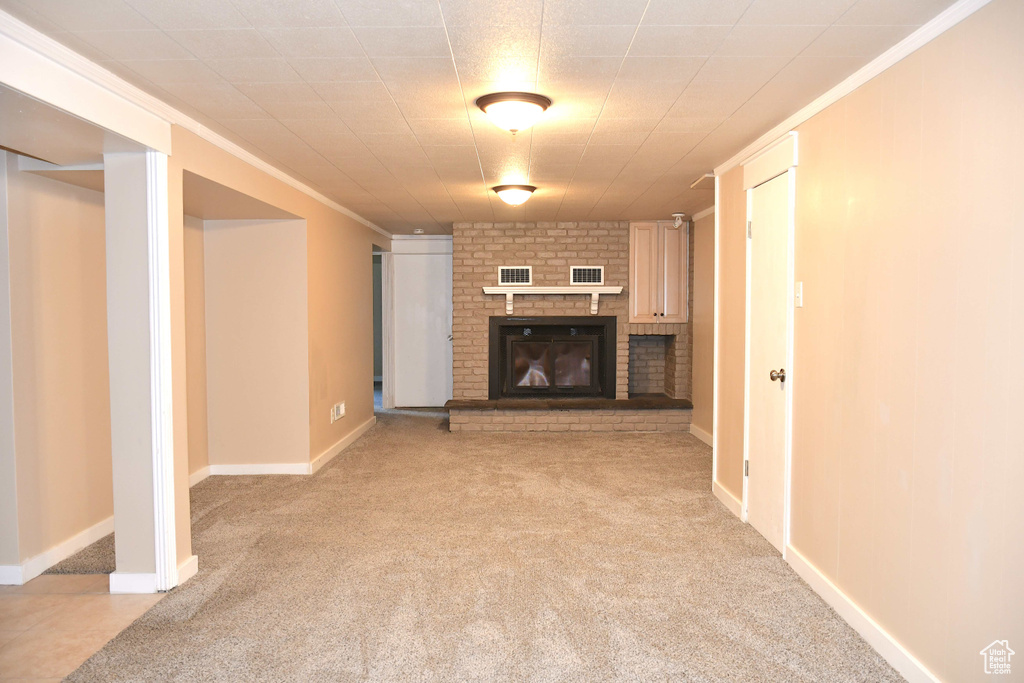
(672, 266)
(643, 272)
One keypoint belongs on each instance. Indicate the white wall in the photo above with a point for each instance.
(256, 342)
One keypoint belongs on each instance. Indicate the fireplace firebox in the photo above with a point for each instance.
(551, 357)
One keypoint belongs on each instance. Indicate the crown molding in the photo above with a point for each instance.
(946, 20)
(703, 214)
(67, 58)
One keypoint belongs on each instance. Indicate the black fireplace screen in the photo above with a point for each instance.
(552, 356)
(552, 363)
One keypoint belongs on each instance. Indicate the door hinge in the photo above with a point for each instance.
(750, 230)
(746, 468)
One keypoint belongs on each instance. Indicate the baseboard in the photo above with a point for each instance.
(198, 476)
(876, 636)
(701, 434)
(325, 457)
(123, 582)
(731, 502)
(16, 575)
(269, 468)
(10, 575)
(188, 569)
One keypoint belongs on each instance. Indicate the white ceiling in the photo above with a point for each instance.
(371, 101)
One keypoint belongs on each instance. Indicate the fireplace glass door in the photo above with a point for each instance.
(552, 365)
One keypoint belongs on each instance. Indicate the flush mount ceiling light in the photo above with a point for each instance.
(513, 111)
(514, 194)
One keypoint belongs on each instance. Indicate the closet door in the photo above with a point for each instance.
(643, 272)
(672, 264)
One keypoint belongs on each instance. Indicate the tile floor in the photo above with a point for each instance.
(53, 623)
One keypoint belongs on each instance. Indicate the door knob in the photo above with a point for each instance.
(779, 375)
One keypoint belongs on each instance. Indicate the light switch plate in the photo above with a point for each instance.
(799, 295)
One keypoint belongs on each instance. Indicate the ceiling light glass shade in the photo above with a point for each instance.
(514, 194)
(513, 111)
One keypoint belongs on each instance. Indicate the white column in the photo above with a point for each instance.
(139, 337)
(10, 557)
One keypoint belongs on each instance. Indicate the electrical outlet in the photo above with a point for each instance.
(799, 291)
(337, 412)
(341, 409)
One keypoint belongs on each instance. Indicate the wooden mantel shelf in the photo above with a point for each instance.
(593, 291)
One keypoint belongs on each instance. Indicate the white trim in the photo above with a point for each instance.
(267, 468)
(11, 575)
(123, 582)
(594, 291)
(716, 353)
(731, 502)
(36, 565)
(325, 457)
(705, 213)
(876, 636)
(188, 569)
(701, 434)
(198, 476)
(140, 105)
(746, 350)
(387, 327)
(946, 20)
(161, 397)
(773, 160)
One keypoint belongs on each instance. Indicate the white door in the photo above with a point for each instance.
(422, 329)
(769, 328)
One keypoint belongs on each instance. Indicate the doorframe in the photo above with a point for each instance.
(779, 158)
(387, 326)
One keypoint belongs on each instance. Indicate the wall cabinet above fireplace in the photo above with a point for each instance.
(658, 262)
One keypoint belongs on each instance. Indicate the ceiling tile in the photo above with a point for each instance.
(779, 41)
(220, 101)
(123, 45)
(490, 41)
(442, 131)
(225, 44)
(504, 13)
(255, 70)
(795, 12)
(173, 70)
(337, 69)
(888, 13)
(748, 69)
(191, 14)
(594, 12)
(314, 43)
(565, 67)
(856, 41)
(675, 41)
(275, 13)
(665, 68)
(75, 15)
(340, 91)
(403, 41)
(436, 70)
(695, 12)
(391, 13)
(586, 40)
(498, 68)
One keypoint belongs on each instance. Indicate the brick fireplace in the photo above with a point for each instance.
(550, 249)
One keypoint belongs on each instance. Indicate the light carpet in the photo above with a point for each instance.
(423, 555)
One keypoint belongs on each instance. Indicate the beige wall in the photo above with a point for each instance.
(256, 344)
(61, 394)
(339, 282)
(703, 319)
(195, 345)
(732, 284)
(906, 444)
